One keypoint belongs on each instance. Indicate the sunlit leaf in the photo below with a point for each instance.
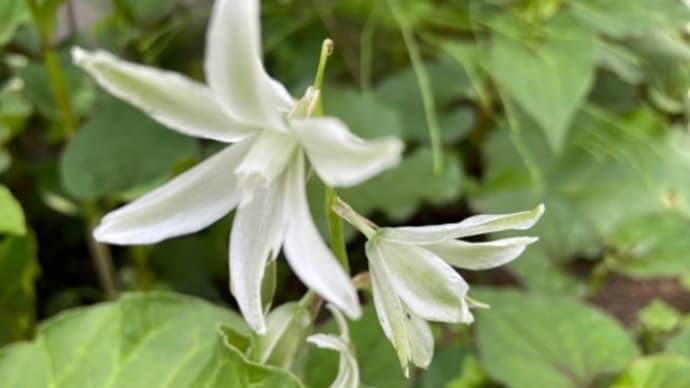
(659, 371)
(11, 214)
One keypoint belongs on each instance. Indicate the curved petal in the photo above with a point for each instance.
(410, 335)
(483, 255)
(234, 70)
(341, 158)
(186, 204)
(257, 233)
(175, 101)
(429, 287)
(307, 253)
(287, 325)
(485, 223)
(348, 370)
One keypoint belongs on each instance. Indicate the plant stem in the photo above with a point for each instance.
(56, 76)
(335, 224)
(100, 254)
(424, 85)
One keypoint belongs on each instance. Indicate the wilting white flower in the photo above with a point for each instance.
(412, 279)
(263, 174)
(348, 371)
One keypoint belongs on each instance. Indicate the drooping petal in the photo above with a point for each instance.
(410, 335)
(341, 158)
(484, 255)
(348, 370)
(257, 233)
(429, 287)
(186, 204)
(234, 70)
(175, 101)
(307, 253)
(267, 158)
(485, 223)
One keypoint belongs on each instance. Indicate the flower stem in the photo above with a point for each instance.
(424, 85)
(335, 224)
(344, 210)
(56, 76)
(100, 254)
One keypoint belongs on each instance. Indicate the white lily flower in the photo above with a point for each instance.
(412, 279)
(263, 175)
(348, 370)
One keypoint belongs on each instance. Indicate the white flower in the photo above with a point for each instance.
(348, 370)
(263, 175)
(412, 279)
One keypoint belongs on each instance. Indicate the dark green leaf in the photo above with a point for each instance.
(18, 272)
(13, 13)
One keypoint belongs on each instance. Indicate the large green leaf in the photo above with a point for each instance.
(121, 149)
(548, 76)
(366, 114)
(13, 13)
(653, 245)
(18, 271)
(142, 340)
(531, 340)
(659, 371)
(11, 214)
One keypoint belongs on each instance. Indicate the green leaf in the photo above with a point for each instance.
(15, 109)
(18, 272)
(531, 340)
(651, 246)
(378, 363)
(549, 77)
(407, 187)
(11, 214)
(365, 114)
(658, 371)
(680, 344)
(121, 149)
(142, 340)
(13, 14)
(145, 12)
(624, 18)
(659, 316)
(540, 272)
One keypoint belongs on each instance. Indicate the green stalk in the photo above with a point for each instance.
(100, 254)
(335, 224)
(56, 76)
(424, 85)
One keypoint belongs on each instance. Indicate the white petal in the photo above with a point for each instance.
(484, 255)
(348, 370)
(257, 233)
(308, 255)
(186, 204)
(175, 101)
(340, 320)
(410, 335)
(267, 158)
(341, 158)
(234, 70)
(429, 287)
(287, 326)
(485, 223)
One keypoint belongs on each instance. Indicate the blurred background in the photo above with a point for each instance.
(580, 105)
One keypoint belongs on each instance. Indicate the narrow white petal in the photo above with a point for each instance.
(340, 320)
(257, 233)
(485, 223)
(286, 327)
(410, 335)
(341, 158)
(308, 255)
(483, 255)
(348, 370)
(234, 70)
(425, 283)
(267, 158)
(174, 100)
(186, 204)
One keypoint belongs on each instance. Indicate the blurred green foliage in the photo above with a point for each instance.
(580, 104)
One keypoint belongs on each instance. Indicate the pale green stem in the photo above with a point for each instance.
(100, 254)
(424, 85)
(55, 73)
(344, 210)
(335, 224)
(366, 48)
